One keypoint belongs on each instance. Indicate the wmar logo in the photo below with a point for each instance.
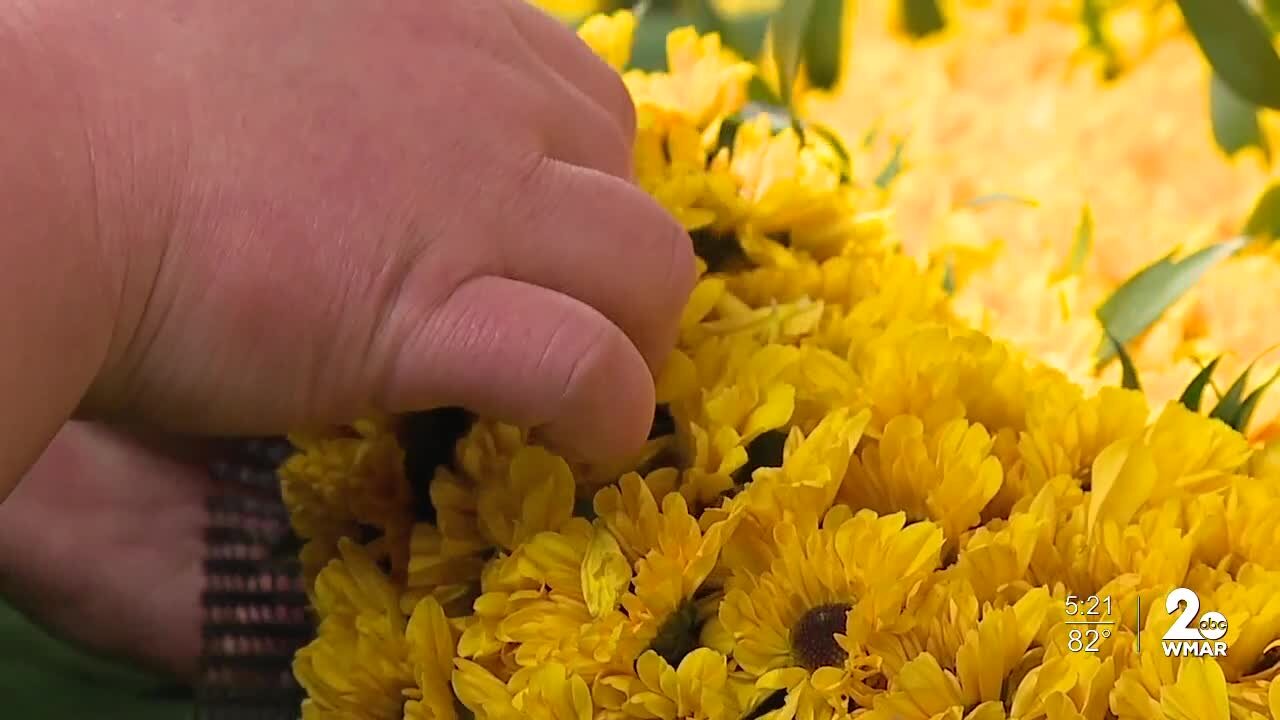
(1189, 636)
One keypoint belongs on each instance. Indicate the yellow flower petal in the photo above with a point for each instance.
(610, 36)
(1200, 693)
(605, 573)
(548, 503)
(678, 378)
(1124, 476)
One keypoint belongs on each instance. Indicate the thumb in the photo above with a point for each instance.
(530, 356)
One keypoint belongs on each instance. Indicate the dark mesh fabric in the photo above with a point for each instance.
(255, 609)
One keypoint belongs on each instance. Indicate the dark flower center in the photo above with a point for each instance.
(1268, 660)
(678, 636)
(813, 638)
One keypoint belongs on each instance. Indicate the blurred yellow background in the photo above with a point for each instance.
(1008, 101)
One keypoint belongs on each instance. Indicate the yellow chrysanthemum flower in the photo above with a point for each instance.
(942, 613)
(595, 598)
(548, 692)
(700, 687)
(911, 370)
(745, 394)
(513, 493)
(808, 479)
(796, 622)
(704, 81)
(1066, 431)
(789, 183)
(344, 477)
(535, 609)
(999, 554)
(976, 689)
(858, 284)
(673, 558)
(948, 476)
(369, 657)
(671, 164)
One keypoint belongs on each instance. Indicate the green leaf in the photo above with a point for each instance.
(790, 29)
(1264, 220)
(1230, 406)
(1143, 298)
(702, 15)
(995, 198)
(841, 152)
(759, 91)
(892, 168)
(1238, 46)
(1083, 244)
(1271, 14)
(637, 7)
(823, 53)
(649, 51)
(640, 9)
(949, 277)
(1251, 403)
(779, 120)
(922, 18)
(729, 131)
(1235, 120)
(872, 135)
(1128, 373)
(1192, 396)
(1093, 16)
(744, 33)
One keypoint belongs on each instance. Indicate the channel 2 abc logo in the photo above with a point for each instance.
(1193, 634)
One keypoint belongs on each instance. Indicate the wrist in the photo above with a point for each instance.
(60, 283)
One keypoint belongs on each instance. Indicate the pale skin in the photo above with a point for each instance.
(237, 217)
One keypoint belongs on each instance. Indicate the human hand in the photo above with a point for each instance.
(295, 211)
(318, 208)
(102, 543)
